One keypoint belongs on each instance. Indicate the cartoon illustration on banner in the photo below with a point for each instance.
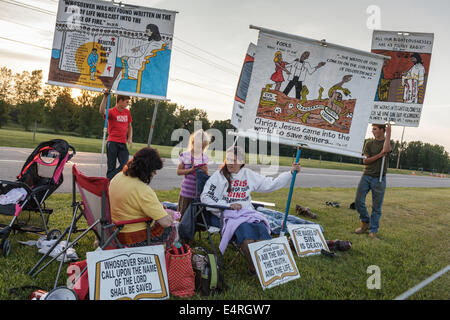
(330, 108)
(100, 45)
(402, 84)
(304, 91)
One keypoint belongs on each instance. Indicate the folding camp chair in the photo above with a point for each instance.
(202, 219)
(94, 206)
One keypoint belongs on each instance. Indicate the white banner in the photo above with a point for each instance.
(311, 94)
(128, 274)
(401, 88)
(242, 87)
(98, 45)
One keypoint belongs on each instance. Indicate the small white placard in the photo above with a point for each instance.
(307, 238)
(128, 274)
(274, 262)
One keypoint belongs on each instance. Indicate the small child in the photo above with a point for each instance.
(190, 160)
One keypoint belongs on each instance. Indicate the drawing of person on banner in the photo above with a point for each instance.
(280, 66)
(92, 62)
(413, 79)
(135, 55)
(335, 106)
(298, 70)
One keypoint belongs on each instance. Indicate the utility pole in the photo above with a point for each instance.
(400, 148)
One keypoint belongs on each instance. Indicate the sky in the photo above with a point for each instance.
(211, 38)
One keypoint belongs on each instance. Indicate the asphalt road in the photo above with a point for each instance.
(12, 160)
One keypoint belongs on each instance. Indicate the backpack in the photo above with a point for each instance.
(209, 278)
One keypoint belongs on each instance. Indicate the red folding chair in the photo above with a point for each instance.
(94, 206)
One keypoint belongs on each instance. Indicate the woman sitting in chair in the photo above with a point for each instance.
(231, 186)
(132, 198)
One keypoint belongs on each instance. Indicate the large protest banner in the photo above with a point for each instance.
(242, 87)
(401, 89)
(98, 45)
(311, 93)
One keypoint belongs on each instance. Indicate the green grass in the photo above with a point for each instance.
(414, 228)
(11, 137)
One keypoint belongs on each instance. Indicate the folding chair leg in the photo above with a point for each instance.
(72, 226)
(57, 242)
(111, 238)
(239, 252)
(68, 247)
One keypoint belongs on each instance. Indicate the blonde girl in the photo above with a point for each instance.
(190, 160)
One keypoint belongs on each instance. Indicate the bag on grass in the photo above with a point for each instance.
(180, 274)
(209, 278)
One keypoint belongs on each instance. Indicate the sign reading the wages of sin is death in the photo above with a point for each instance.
(274, 262)
(308, 239)
(311, 95)
(100, 45)
(401, 89)
(128, 274)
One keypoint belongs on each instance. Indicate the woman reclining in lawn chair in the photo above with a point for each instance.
(132, 198)
(231, 186)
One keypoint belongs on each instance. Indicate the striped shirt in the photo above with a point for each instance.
(189, 182)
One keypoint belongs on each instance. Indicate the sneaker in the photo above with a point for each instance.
(334, 204)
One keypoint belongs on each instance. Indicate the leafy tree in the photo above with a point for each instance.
(187, 118)
(6, 85)
(166, 121)
(28, 86)
(30, 113)
(4, 110)
(60, 117)
(89, 122)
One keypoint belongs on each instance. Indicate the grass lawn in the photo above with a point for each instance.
(11, 137)
(414, 228)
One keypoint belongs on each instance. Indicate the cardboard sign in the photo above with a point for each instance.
(311, 95)
(128, 274)
(308, 239)
(402, 85)
(274, 262)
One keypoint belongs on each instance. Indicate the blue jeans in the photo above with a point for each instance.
(378, 188)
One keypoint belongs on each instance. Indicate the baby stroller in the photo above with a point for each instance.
(40, 176)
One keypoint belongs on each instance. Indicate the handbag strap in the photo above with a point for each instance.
(179, 251)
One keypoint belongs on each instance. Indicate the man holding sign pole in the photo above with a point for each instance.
(373, 178)
(120, 132)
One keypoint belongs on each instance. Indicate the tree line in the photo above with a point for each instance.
(26, 102)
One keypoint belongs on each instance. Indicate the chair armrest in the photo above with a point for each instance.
(39, 188)
(121, 223)
(214, 206)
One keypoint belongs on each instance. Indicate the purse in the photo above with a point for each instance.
(180, 274)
